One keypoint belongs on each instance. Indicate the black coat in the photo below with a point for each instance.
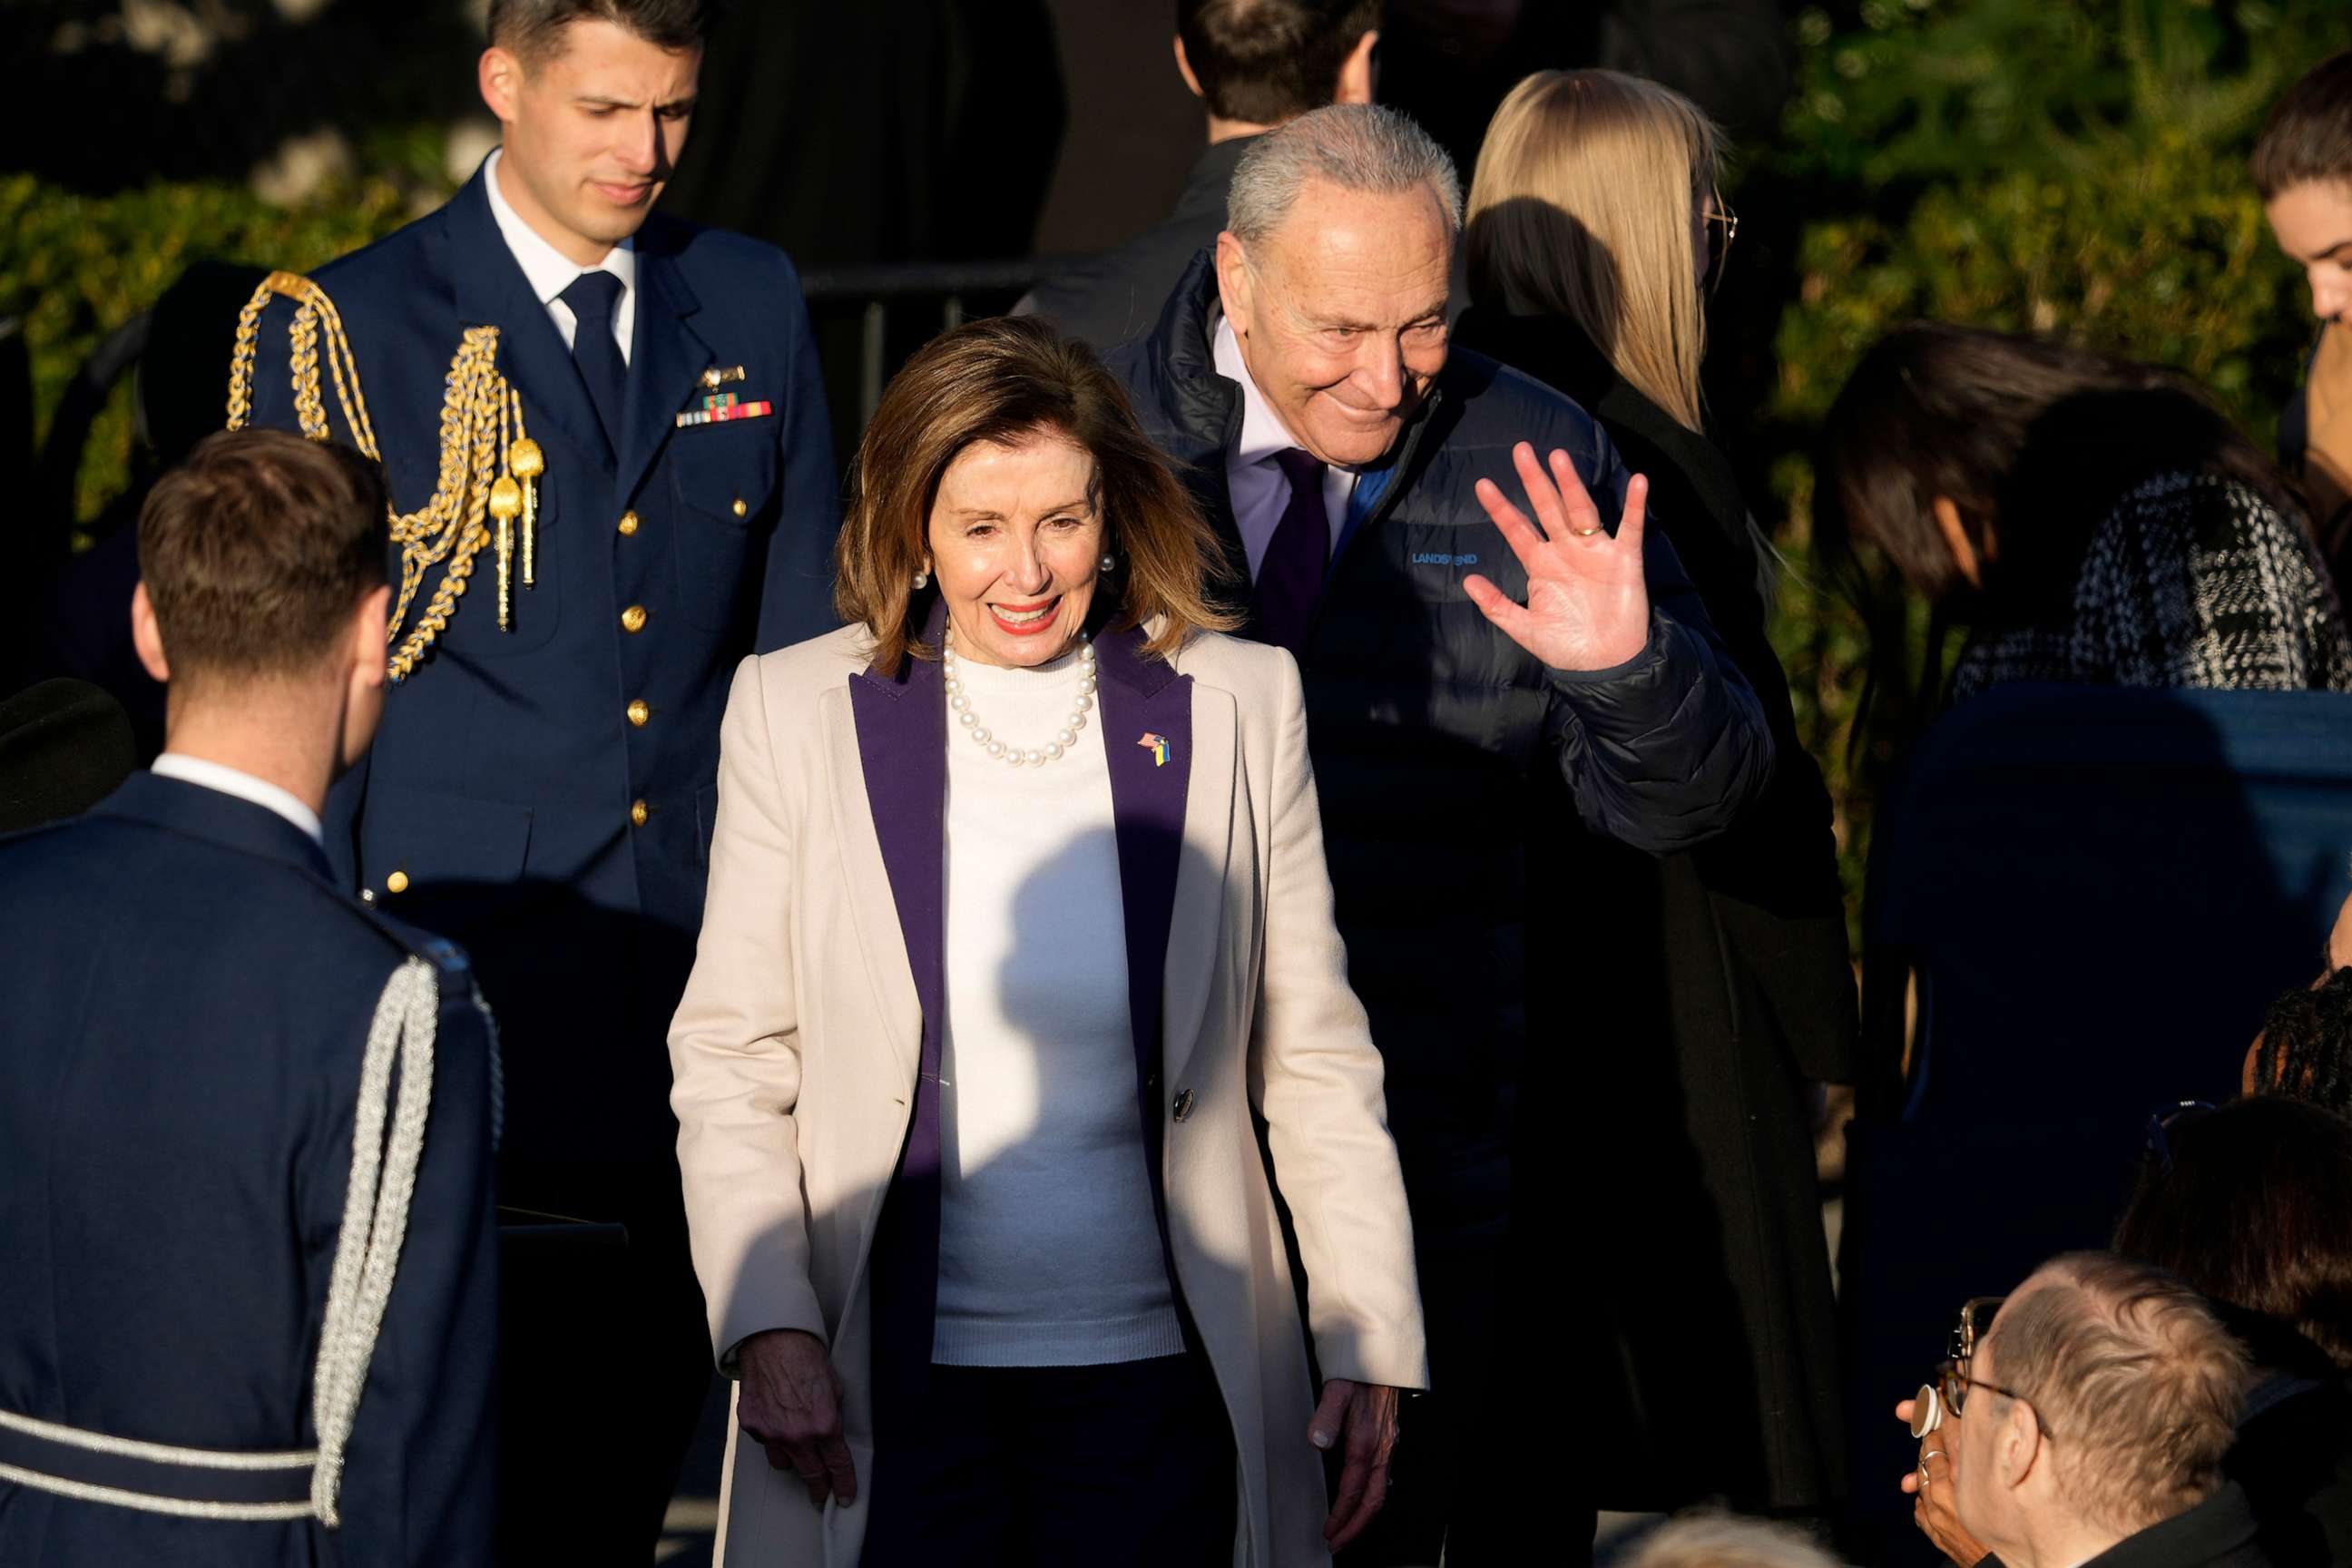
(2219, 1532)
(1114, 295)
(1736, 962)
(1451, 767)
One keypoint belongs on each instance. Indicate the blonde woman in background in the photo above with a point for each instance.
(1594, 224)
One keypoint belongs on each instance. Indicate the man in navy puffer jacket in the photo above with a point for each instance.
(1484, 667)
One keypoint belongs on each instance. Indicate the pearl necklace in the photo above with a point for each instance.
(959, 704)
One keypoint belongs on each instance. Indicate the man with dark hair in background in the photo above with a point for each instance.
(608, 426)
(1254, 65)
(246, 1123)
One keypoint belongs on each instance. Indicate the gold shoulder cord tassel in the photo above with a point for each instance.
(488, 465)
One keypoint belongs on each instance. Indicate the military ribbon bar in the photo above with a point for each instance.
(760, 410)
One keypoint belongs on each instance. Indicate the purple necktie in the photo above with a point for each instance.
(1290, 575)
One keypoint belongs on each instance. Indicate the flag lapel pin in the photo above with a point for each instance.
(1158, 746)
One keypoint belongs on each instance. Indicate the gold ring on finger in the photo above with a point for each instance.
(1586, 533)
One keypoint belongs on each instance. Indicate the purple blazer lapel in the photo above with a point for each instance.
(902, 744)
(1147, 729)
(1145, 709)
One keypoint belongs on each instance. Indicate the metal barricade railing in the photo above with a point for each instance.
(874, 290)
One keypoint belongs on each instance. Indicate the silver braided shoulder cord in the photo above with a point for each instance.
(375, 1212)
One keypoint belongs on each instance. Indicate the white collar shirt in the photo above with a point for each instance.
(549, 272)
(244, 785)
(1254, 481)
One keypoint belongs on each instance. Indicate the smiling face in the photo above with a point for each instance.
(2313, 224)
(591, 132)
(1341, 313)
(1016, 544)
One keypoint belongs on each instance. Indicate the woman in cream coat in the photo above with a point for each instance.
(970, 1070)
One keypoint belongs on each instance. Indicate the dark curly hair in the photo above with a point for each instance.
(2306, 1046)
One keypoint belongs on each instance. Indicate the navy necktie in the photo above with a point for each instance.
(593, 296)
(1290, 574)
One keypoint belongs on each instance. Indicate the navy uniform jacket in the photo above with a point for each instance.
(188, 998)
(503, 790)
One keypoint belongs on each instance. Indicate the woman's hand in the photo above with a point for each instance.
(790, 1403)
(1588, 603)
(1361, 1417)
(1931, 1486)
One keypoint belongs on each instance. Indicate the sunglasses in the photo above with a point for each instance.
(2160, 1121)
(1722, 228)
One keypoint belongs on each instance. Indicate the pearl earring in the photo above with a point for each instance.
(1109, 562)
(922, 578)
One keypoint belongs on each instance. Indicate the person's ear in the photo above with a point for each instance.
(500, 74)
(369, 669)
(1360, 72)
(1957, 539)
(1236, 289)
(147, 637)
(2019, 1445)
(1184, 69)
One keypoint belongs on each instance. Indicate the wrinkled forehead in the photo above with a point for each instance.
(1367, 258)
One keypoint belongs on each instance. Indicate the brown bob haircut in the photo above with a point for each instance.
(257, 550)
(2308, 136)
(1004, 380)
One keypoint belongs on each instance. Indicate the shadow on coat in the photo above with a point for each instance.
(2098, 892)
(1253, 1364)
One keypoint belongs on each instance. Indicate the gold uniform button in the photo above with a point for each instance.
(628, 522)
(396, 883)
(743, 507)
(638, 812)
(632, 619)
(639, 711)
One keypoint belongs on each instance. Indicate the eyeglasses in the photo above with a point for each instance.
(1929, 1404)
(1722, 228)
(1954, 1385)
(2159, 1146)
(1976, 1316)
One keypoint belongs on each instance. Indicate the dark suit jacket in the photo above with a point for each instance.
(503, 788)
(2217, 1533)
(1107, 299)
(189, 999)
(1728, 983)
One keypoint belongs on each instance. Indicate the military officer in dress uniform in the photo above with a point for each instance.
(607, 445)
(249, 1301)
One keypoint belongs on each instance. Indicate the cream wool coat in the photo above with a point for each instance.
(795, 1048)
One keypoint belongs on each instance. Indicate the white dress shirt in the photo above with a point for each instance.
(549, 272)
(244, 785)
(1259, 489)
(1049, 1250)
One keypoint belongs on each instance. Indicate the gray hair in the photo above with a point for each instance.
(1355, 146)
(1706, 1540)
(2135, 1381)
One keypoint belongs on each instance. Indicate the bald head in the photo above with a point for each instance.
(2133, 1383)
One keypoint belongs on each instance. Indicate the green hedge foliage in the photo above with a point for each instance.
(2076, 170)
(76, 267)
